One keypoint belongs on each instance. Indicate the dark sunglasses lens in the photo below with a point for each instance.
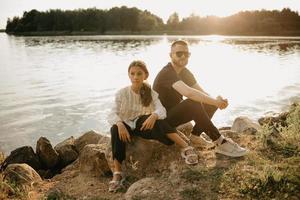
(179, 54)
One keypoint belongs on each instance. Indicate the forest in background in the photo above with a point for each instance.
(135, 21)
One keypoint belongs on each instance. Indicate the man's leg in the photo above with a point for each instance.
(209, 109)
(189, 110)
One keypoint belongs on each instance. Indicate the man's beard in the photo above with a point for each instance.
(180, 62)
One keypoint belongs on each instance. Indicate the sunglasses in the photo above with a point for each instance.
(186, 54)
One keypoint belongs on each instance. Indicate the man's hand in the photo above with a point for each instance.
(221, 102)
(149, 122)
(123, 133)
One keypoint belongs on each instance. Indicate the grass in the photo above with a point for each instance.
(192, 193)
(10, 190)
(272, 171)
(200, 175)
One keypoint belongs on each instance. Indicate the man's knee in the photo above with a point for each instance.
(193, 105)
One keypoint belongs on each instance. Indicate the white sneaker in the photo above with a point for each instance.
(200, 141)
(230, 148)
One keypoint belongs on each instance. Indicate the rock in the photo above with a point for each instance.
(92, 160)
(274, 120)
(90, 137)
(55, 193)
(225, 128)
(67, 151)
(142, 153)
(23, 154)
(186, 128)
(105, 140)
(244, 125)
(142, 189)
(48, 156)
(47, 174)
(21, 174)
(229, 133)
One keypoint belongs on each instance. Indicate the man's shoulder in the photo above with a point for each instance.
(165, 71)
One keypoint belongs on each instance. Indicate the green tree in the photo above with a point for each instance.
(173, 22)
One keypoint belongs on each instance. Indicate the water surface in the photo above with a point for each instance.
(62, 86)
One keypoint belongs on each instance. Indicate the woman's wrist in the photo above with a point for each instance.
(155, 115)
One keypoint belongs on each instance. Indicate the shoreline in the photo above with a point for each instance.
(90, 33)
(53, 171)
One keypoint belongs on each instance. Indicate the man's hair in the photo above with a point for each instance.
(180, 42)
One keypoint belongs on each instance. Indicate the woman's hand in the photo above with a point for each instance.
(123, 132)
(149, 122)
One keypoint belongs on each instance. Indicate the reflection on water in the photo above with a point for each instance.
(62, 86)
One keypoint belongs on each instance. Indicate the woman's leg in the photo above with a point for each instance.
(177, 139)
(187, 152)
(118, 151)
(118, 147)
(117, 168)
(167, 135)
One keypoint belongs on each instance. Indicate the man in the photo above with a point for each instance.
(175, 81)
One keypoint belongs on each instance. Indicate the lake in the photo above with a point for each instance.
(63, 86)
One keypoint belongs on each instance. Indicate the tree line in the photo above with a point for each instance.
(134, 20)
(91, 20)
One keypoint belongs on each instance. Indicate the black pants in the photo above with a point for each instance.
(158, 132)
(189, 110)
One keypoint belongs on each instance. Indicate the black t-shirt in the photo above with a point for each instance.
(164, 80)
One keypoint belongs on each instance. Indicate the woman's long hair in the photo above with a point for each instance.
(145, 90)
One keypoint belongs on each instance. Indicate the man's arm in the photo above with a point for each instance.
(198, 95)
(198, 87)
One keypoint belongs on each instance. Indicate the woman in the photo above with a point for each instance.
(138, 112)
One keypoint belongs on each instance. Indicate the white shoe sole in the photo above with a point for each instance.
(235, 155)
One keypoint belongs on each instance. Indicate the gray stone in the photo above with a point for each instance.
(23, 154)
(92, 160)
(244, 125)
(48, 156)
(67, 151)
(90, 137)
(141, 188)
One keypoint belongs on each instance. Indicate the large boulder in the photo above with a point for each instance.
(244, 125)
(142, 189)
(142, 153)
(21, 174)
(90, 137)
(23, 154)
(155, 188)
(67, 151)
(92, 160)
(48, 156)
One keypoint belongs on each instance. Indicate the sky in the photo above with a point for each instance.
(161, 8)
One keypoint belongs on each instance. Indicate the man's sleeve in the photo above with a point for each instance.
(187, 77)
(167, 79)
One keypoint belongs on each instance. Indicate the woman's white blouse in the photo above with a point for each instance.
(128, 107)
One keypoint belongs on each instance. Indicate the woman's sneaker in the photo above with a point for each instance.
(230, 148)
